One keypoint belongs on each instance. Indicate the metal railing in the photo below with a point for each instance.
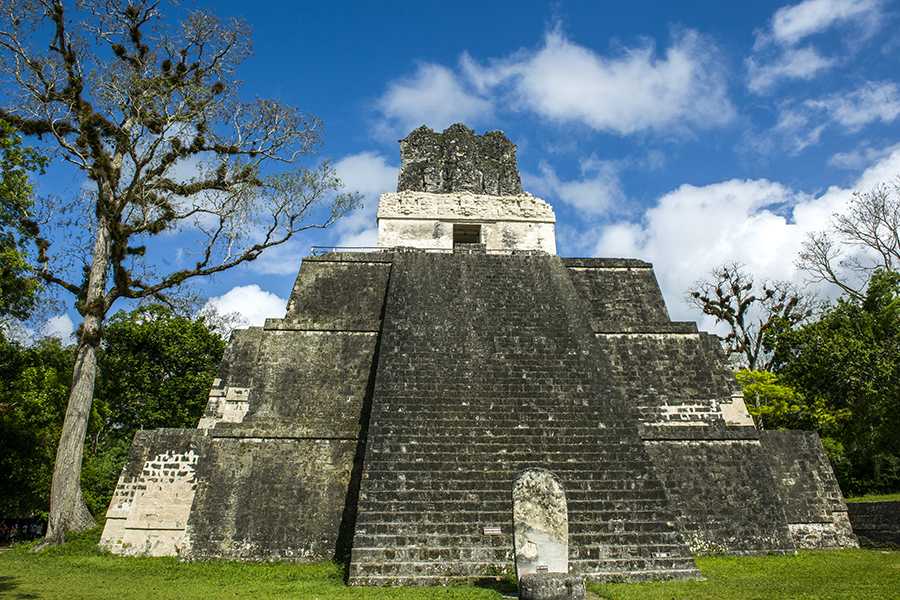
(320, 250)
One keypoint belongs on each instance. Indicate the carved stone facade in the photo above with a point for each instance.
(434, 221)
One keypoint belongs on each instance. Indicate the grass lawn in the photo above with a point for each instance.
(79, 570)
(830, 574)
(876, 498)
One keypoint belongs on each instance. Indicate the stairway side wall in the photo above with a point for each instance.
(809, 491)
(695, 426)
(283, 434)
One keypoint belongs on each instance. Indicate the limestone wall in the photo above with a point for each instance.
(812, 500)
(876, 522)
(269, 498)
(425, 220)
(340, 287)
(724, 494)
(273, 470)
(618, 293)
(152, 502)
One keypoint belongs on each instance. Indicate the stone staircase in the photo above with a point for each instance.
(487, 366)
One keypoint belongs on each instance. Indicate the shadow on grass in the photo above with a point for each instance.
(8, 584)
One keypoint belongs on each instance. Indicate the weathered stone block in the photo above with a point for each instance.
(551, 586)
(457, 160)
(876, 522)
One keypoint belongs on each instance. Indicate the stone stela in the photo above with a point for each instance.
(540, 523)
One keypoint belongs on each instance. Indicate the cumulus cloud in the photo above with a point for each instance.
(251, 302)
(598, 189)
(61, 327)
(756, 222)
(370, 174)
(875, 101)
(801, 125)
(634, 90)
(777, 55)
(433, 96)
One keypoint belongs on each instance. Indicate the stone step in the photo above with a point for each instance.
(414, 502)
(425, 553)
(583, 452)
(577, 500)
(507, 414)
(437, 572)
(493, 477)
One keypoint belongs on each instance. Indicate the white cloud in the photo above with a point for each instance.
(795, 130)
(252, 303)
(434, 96)
(778, 59)
(597, 190)
(756, 222)
(632, 91)
(804, 63)
(61, 327)
(801, 125)
(370, 174)
(285, 259)
(873, 102)
(367, 238)
(793, 23)
(860, 158)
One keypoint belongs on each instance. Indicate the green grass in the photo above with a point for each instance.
(79, 570)
(876, 498)
(821, 575)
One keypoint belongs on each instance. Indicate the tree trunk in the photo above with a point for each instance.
(68, 512)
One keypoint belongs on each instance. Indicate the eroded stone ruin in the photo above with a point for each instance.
(385, 416)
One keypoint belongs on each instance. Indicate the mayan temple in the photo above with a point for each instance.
(387, 414)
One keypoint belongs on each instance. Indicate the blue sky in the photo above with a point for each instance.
(683, 133)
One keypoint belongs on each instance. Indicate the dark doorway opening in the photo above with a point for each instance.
(466, 234)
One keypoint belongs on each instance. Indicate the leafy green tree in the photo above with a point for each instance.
(155, 370)
(34, 387)
(148, 113)
(847, 364)
(18, 285)
(771, 404)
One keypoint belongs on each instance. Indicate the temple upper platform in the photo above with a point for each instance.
(460, 188)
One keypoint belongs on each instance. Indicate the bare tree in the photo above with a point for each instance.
(858, 243)
(749, 309)
(148, 112)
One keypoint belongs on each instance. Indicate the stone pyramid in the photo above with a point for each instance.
(385, 417)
